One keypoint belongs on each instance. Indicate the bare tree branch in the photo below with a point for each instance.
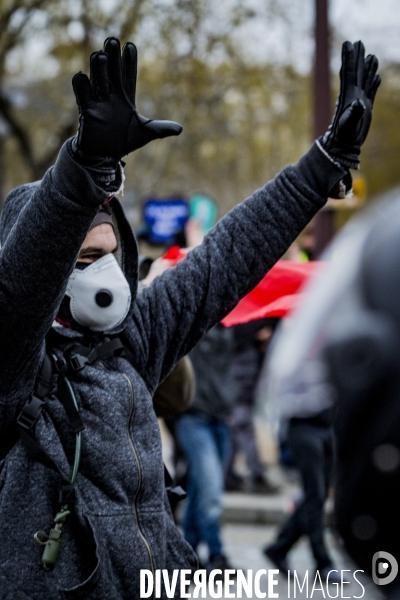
(18, 131)
(67, 131)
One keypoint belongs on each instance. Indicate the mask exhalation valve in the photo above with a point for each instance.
(103, 298)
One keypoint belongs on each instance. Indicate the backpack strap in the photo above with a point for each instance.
(32, 409)
(31, 412)
(26, 421)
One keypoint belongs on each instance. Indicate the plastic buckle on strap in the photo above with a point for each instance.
(30, 412)
(77, 362)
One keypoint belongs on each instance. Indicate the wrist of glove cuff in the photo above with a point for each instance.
(343, 187)
(345, 156)
(87, 160)
(106, 172)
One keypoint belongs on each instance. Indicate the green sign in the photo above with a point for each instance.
(204, 210)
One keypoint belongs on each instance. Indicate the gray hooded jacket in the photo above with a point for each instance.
(121, 521)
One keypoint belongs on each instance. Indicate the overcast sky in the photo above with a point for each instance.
(376, 22)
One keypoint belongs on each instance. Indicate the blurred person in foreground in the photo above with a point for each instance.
(348, 330)
(81, 458)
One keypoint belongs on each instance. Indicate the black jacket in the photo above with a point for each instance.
(212, 360)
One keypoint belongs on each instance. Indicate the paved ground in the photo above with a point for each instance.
(270, 509)
(243, 546)
(252, 521)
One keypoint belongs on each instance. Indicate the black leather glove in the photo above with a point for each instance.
(352, 119)
(109, 124)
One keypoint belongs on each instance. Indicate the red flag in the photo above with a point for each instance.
(175, 254)
(276, 295)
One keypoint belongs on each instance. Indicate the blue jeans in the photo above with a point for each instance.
(206, 445)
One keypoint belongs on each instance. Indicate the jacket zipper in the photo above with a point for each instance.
(139, 478)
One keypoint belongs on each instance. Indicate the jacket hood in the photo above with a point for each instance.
(127, 249)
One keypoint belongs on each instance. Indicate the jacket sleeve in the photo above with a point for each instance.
(38, 254)
(183, 303)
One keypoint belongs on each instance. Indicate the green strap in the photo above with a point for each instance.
(52, 542)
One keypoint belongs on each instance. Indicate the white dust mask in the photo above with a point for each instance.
(100, 296)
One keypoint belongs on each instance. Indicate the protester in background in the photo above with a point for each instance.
(310, 441)
(251, 342)
(303, 406)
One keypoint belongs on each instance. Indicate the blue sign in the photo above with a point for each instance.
(164, 218)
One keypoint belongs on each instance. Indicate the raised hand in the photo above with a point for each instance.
(109, 124)
(352, 119)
